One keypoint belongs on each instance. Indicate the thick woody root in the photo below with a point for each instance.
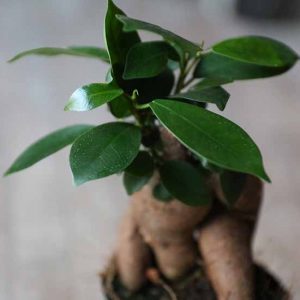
(167, 228)
(224, 243)
(133, 255)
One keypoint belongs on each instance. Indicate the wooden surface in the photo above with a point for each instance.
(54, 238)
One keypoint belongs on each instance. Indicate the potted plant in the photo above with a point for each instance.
(195, 177)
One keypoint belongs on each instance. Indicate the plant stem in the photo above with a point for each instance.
(188, 82)
(182, 75)
(185, 70)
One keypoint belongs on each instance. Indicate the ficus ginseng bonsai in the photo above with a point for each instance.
(185, 166)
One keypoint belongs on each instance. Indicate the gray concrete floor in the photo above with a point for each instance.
(55, 238)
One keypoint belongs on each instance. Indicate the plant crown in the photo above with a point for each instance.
(166, 83)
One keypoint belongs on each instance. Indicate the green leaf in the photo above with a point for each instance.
(142, 165)
(217, 66)
(83, 51)
(46, 146)
(133, 183)
(211, 136)
(211, 82)
(146, 60)
(118, 42)
(216, 95)
(120, 107)
(138, 173)
(185, 183)
(232, 184)
(105, 150)
(155, 87)
(93, 95)
(257, 50)
(161, 193)
(210, 167)
(185, 45)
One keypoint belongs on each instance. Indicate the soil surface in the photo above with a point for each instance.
(193, 287)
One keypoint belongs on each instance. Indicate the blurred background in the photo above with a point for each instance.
(54, 238)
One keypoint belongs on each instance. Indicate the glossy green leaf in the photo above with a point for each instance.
(211, 136)
(217, 66)
(93, 95)
(46, 146)
(185, 183)
(138, 173)
(104, 150)
(257, 50)
(161, 193)
(232, 184)
(146, 60)
(216, 95)
(82, 51)
(185, 45)
(120, 107)
(118, 42)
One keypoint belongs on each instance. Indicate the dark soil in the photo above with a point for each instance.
(193, 287)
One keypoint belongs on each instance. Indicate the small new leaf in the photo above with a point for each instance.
(211, 136)
(46, 146)
(105, 150)
(81, 51)
(93, 95)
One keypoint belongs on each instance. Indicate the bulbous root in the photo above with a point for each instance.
(224, 243)
(165, 231)
(133, 255)
(166, 228)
